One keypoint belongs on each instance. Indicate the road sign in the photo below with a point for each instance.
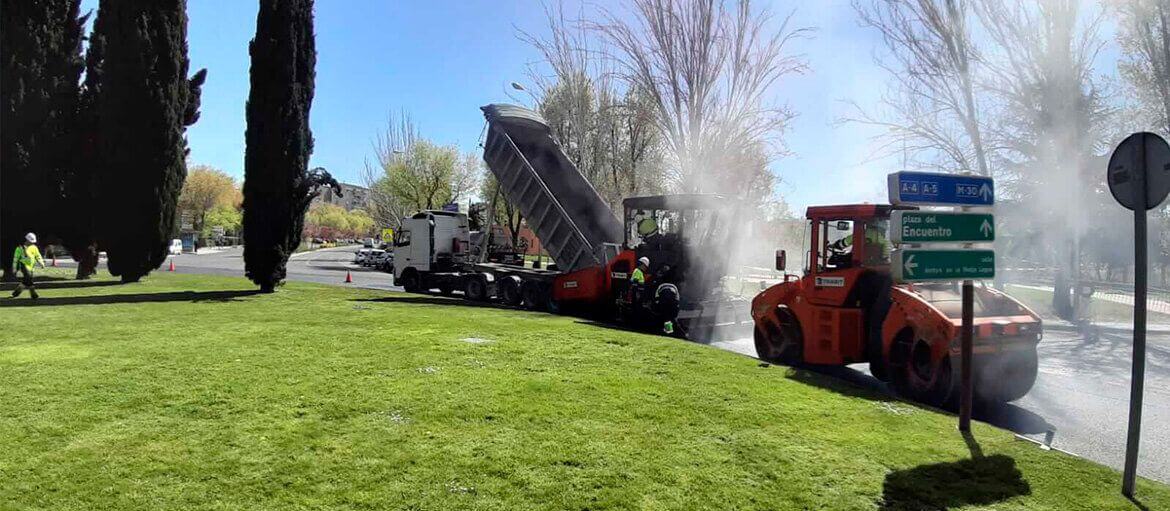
(387, 234)
(1146, 154)
(929, 188)
(1139, 179)
(933, 227)
(922, 265)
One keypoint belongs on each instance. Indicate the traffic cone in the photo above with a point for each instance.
(172, 268)
(348, 277)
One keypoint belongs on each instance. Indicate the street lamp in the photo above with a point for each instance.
(517, 86)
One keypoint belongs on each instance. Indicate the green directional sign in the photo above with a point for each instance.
(935, 227)
(919, 265)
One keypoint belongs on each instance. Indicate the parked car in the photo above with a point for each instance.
(371, 259)
(360, 255)
(385, 261)
(176, 247)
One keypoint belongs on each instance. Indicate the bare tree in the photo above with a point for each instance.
(1144, 37)
(607, 133)
(706, 71)
(389, 146)
(929, 57)
(1053, 125)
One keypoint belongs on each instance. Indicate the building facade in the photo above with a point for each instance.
(352, 197)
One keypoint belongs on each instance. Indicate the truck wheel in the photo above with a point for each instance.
(509, 290)
(411, 282)
(921, 379)
(474, 288)
(534, 298)
(781, 342)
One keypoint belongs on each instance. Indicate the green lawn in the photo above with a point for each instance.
(188, 392)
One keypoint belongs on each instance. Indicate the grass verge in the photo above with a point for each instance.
(190, 392)
(1099, 309)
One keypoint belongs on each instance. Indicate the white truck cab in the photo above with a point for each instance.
(430, 241)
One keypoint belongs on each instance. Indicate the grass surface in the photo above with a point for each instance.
(189, 392)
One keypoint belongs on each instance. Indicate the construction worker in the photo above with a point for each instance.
(639, 275)
(876, 245)
(23, 259)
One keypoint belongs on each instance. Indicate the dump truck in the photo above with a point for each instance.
(594, 252)
(846, 309)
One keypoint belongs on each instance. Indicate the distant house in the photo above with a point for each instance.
(352, 197)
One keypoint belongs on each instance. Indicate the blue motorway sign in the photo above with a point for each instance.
(932, 189)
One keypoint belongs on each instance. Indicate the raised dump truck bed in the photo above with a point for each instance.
(564, 210)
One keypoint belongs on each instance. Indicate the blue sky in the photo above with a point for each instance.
(441, 60)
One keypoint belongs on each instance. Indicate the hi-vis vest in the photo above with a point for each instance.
(638, 277)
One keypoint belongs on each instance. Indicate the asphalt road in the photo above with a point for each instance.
(326, 266)
(1081, 395)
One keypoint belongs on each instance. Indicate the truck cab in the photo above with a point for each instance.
(429, 241)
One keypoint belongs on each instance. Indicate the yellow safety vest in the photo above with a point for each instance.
(638, 277)
(27, 256)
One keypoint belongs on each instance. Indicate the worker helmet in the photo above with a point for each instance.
(644, 261)
(30, 237)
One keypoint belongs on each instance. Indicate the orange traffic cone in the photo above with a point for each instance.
(172, 268)
(348, 278)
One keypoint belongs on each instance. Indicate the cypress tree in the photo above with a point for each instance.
(277, 185)
(142, 107)
(39, 72)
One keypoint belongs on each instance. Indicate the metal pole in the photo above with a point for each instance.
(966, 392)
(486, 241)
(1137, 381)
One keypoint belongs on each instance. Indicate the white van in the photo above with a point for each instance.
(176, 247)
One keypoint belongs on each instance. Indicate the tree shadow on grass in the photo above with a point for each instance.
(432, 300)
(979, 480)
(57, 283)
(176, 296)
(851, 382)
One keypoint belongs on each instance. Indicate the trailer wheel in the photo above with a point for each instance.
(509, 290)
(534, 296)
(474, 288)
(780, 342)
(411, 281)
(921, 379)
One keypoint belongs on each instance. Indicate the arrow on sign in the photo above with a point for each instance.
(985, 228)
(910, 265)
(985, 192)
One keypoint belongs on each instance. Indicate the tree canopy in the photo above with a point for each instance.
(278, 186)
(144, 104)
(206, 189)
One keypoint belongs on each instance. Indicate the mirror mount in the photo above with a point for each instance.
(781, 260)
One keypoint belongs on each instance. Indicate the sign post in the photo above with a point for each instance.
(966, 263)
(1139, 179)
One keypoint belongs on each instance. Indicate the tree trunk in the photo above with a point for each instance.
(87, 261)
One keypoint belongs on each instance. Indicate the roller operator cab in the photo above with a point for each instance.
(846, 309)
